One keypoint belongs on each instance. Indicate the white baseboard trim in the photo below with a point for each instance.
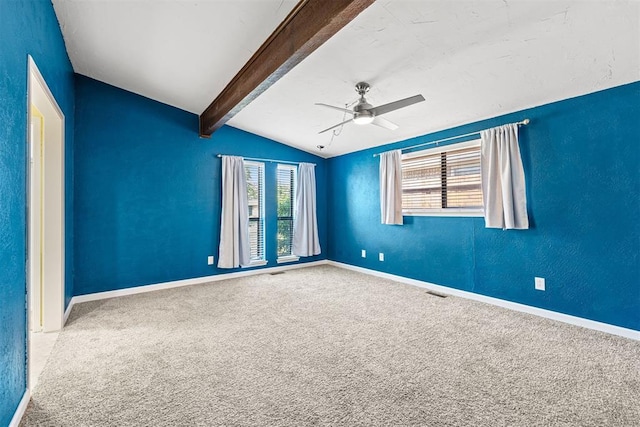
(573, 320)
(67, 312)
(22, 407)
(186, 282)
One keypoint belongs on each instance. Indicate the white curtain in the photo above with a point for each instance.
(234, 223)
(390, 188)
(305, 224)
(503, 186)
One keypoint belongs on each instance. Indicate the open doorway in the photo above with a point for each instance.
(45, 210)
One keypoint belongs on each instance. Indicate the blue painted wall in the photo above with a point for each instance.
(147, 190)
(26, 27)
(581, 159)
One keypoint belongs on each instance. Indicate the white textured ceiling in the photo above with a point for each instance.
(179, 52)
(470, 59)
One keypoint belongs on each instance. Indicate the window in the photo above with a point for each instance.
(443, 181)
(286, 187)
(255, 198)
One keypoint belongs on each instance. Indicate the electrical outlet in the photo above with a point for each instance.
(381, 256)
(540, 283)
(364, 253)
(210, 260)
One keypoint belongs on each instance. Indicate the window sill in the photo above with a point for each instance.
(256, 263)
(290, 258)
(447, 212)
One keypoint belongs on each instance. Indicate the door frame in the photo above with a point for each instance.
(35, 220)
(53, 202)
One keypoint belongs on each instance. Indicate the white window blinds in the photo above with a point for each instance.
(442, 179)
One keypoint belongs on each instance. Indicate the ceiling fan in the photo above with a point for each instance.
(364, 113)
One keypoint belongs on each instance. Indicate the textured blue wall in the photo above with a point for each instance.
(147, 190)
(26, 27)
(581, 159)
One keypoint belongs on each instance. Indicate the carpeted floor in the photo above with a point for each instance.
(327, 346)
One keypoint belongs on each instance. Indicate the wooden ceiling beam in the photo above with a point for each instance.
(307, 27)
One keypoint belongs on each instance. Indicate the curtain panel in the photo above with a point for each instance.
(234, 222)
(391, 188)
(305, 223)
(503, 185)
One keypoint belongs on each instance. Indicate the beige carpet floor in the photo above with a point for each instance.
(331, 347)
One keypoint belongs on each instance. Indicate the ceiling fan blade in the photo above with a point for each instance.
(384, 123)
(383, 109)
(335, 108)
(339, 124)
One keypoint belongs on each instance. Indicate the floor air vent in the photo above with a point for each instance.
(435, 294)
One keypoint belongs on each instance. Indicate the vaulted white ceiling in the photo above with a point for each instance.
(470, 59)
(179, 52)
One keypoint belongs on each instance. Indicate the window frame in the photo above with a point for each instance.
(443, 212)
(280, 166)
(261, 220)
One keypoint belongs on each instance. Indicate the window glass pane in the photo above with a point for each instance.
(255, 198)
(286, 177)
(285, 237)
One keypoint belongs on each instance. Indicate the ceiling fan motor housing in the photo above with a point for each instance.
(362, 113)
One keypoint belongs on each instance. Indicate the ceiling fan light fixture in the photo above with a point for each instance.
(363, 119)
